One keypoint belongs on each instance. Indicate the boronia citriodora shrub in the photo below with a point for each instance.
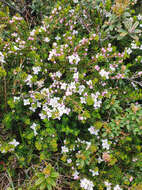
(71, 113)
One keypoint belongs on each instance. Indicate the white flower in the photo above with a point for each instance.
(28, 80)
(52, 53)
(134, 159)
(46, 39)
(86, 184)
(36, 70)
(117, 187)
(34, 128)
(141, 47)
(75, 75)
(57, 38)
(75, 32)
(139, 17)
(82, 100)
(63, 86)
(105, 144)
(42, 28)
(38, 104)
(93, 131)
(3, 151)
(100, 160)
(16, 98)
(72, 87)
(94, 173)
(129, 51)
(103, 73)
(89, 82)
(108, 14)
(134, 46)
(76, 175)
(32, 109)
(14, 34)
(40, 83)
(54, 44)
(108, 185)
(42, 116)
(71, 10)
(62, 109)
(69, 161)
(75, 1)
(15, 48)
(81, 89)
(74, 59)
(14, 142)
(32, 33)
(97, 103)
(26, 102)
(54, 102)
(112, 67)
(64, 149)
(58, 74)
(1, 58)
(88, 145)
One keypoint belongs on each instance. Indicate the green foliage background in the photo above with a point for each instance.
(48, 102)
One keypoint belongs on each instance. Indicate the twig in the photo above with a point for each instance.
(134, 81)
(12, 7)
(84, 24)
(10, 180)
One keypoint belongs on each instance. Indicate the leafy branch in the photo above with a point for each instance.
(12, 7)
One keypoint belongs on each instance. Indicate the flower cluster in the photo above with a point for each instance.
(86, 184)
(72, 96)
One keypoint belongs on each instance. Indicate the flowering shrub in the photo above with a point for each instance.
(71, 114)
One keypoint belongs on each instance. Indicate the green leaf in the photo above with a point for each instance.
(52, 182)
(90, 101)
(123, 34)
(42, 186)
(39, 181)
(111, 27)
(134, 26)
(135, 37)
(38, 145)
(49, 187)
(138, 31)
(95, 80)
(30, 136)
(119, 37)
(122, 30)
(128, 24)
(98, 124)
(127, 14)
(54, 174)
